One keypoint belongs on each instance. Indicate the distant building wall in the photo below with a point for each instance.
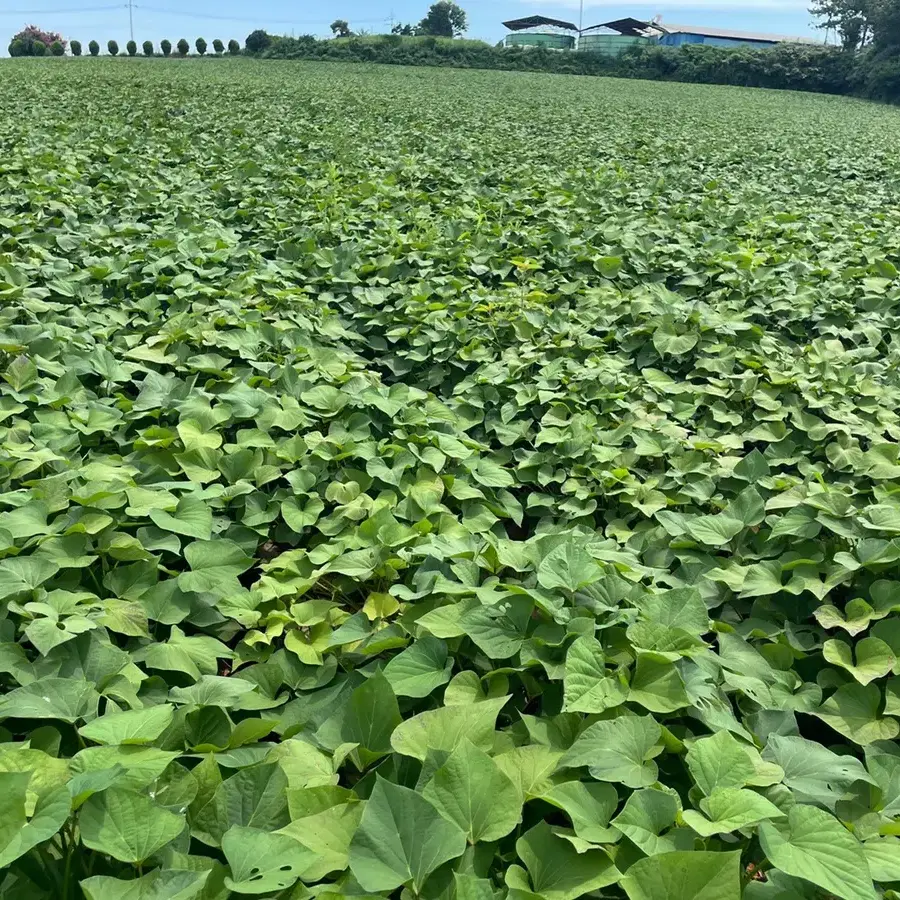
(535, 39)
(609, 44)
(682, 37)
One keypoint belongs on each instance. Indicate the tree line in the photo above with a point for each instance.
(32, 41)
(443, 19)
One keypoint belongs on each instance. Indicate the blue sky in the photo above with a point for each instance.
(157, 19)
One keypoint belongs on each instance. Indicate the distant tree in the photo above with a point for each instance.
(183, 47)
(257, 41)
(38, 48)
(31, 34)
(57, 49)
(112, 48)
(17, 48)
(147, 47)
(340, 28)
(859, 23)
(94, 48)
(405, 30)
(75, 47)
(444, 19)
(234, 48)
(218, 46)
(166, 47)
(200, 44)
(131, 47)
(849, 19)
(885, 16)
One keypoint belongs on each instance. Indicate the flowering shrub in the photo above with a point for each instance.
(30, 34)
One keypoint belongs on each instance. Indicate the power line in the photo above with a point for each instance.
(58, 12)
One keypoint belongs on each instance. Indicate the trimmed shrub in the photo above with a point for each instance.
(75, 47)
(218, 46)
(183, 47)
(131, 47)
(200, 44)
(17, 48)
(147, 47)
(166, 47)
(38, 48)
(112, 48)
(234, 48)
(258, 41)
(57, 49)
(94, 48)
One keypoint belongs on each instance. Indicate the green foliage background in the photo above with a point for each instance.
(449, 485)
(874, 74)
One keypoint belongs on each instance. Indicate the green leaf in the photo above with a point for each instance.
(253, 797)
(883, 856)
(215, 566)
(874, 658)
(401, 839)
(160, 884)
(66, 699)
(589, 805)
(699, 875)
(261, 862)
(669, 342)
(191, 517)
(752, 467)
(324, 819)
(619, 750)
(19, 833)
(135, 726)
(445, 728)
(559, 872)
(25, 573)
(589, 686)
(657, 684)
(814, 773)
(420, 669)
(195, 655)
(814, 846)
(719, 761)
(853, 710)
(714, 531)
(646, 815)
(568, 566)
(728, 809)
(371, 715)
(127, 825)
(471, 791)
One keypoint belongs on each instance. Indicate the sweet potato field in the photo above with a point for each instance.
(445, 485)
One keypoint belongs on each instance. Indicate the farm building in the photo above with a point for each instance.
(611, 38)
(540, 31)
(679, 35)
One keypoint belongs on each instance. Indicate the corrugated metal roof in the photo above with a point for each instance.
(736, 35)
(628, 26)
(536, 22)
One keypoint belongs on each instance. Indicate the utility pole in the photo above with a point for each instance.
(580, 19)
(131, 19)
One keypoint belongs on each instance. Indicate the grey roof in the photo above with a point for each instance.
(537, 22)
(731, 33)
(629, 26)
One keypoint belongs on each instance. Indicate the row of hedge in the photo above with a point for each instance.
(182, 48)
(798, 67)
